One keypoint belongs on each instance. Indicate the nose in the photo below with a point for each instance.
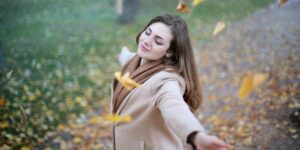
(147, 41)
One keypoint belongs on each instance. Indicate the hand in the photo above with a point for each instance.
(207, 142)
(124, 49)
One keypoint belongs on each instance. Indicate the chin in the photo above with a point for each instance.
(139, 53)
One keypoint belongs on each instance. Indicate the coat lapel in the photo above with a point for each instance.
(124, 102)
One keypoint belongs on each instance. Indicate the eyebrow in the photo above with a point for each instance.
(156, 35)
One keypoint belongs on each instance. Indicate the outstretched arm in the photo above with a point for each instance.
(178, 116)
(203, 141)
(125, 55)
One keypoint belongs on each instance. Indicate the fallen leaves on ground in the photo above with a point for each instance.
(237, 120)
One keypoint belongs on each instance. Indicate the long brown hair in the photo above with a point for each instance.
(182, 58)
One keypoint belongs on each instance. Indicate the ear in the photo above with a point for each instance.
(169, 53)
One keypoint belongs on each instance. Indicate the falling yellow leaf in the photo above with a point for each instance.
(246, 87)
(126, 119)
(2, 102)
(114, 118)
(259, 78)
(249, 83)
(282, 2)
(182, 7)
(4, 124)
(219, 27)
(126, 81)
(197, 2)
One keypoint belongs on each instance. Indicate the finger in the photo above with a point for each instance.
(219, 142)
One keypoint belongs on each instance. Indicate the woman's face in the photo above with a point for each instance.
(155, 41)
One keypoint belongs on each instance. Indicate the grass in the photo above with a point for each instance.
(63, 54)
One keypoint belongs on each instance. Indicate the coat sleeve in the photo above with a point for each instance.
(125, 55)
(175, 111)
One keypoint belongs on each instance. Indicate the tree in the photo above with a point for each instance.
(127, 10)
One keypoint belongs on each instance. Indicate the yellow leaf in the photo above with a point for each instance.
(182, 7)
(259, 79)
(197, 2)
(4, 124)
(130, 81)
(61, 127)
(77, 139)
(246, 87)
(126, 119)
(31, 97)
(114, 118)
(219, 27)
(3, 102)
(250, 82)
(227, 108)
(25, 148)
(121, 80)
(126, 81)
(215, 120)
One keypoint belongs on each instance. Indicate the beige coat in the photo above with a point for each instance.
(161, 120)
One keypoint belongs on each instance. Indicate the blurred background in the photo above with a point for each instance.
(58, 58)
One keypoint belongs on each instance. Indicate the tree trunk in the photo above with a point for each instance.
(127, 10)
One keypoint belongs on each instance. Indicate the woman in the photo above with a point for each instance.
(170, 91)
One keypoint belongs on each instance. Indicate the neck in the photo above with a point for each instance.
(143, 61)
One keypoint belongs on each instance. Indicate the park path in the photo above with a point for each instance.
(268, 41)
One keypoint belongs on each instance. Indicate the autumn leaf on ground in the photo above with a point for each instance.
(25, 148)
(2, 102)
(182, 7)
(197, 2)
(249, 83)
(61, 127)
(219, 27)
(282, 2)
(4, 124)
(126, 81)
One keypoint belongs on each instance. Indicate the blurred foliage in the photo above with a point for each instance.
(62, 54)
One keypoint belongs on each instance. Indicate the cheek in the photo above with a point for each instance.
(142, 37)
(160, 50)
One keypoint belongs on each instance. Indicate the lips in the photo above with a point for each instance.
(144, 48)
